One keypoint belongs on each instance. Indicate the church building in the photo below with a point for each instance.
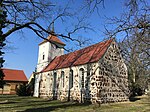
(96, 73)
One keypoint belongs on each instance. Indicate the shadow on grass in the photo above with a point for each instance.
(13, 97)
(8, 96)
(62, 105)
(29, 104)
(9, 102)
(133, 99)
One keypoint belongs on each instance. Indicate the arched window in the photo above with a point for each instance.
(71, 79)
(62, 79)
(54, 80)
(81, 78)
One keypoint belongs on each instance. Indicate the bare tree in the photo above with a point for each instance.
(134, 27)
(136, 55)
(28, 14)
(38, 16)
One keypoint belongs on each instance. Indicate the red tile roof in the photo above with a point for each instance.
(14, 75)
(86, 55)
(54, 39)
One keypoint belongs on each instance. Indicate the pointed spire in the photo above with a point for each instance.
(52, 30)
(52, 26)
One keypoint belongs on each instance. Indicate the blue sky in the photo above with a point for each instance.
(23, 51)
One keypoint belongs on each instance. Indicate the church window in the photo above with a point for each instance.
(71, 79)
(43, 56)
(54, 80)
(81, 78)
(62, 78)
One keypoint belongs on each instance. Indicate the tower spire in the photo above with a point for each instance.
(53, 30)
(52, 25)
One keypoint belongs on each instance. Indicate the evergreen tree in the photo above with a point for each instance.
(2, 44)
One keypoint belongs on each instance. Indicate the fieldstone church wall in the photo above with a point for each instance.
(111, 83)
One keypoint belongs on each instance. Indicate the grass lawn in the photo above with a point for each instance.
(9, 103)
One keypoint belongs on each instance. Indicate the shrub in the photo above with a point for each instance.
(22, 91)
(136, 90)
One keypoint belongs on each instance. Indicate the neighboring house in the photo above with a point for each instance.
(96, 73)
(13, 78)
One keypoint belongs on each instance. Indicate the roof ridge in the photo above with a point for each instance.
(95, 44)
(86, 47)
(54, 39)
(95, 50)
(105, 42)
(10, 69)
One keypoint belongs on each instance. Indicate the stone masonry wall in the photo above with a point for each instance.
(46, 85)
(111, 83)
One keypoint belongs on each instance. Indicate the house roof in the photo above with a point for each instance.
(54, 39)
(83, 56)
(14, 75)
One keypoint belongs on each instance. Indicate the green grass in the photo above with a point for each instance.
(9, 103)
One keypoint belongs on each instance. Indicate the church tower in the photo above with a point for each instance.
(48, 50)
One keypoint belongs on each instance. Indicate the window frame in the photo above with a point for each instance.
(81, 78)
(62, 79)
(71, 79)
